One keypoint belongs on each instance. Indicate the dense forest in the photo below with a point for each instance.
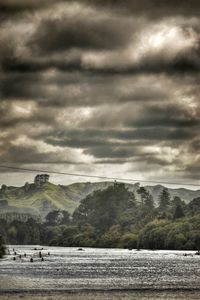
(114, 218)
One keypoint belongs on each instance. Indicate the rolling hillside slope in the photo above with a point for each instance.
(40, 200)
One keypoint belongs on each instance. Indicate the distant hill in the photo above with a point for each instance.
(35, 200)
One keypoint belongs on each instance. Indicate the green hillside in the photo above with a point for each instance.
(35, 200)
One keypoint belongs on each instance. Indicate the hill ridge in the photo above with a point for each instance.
(49, 196)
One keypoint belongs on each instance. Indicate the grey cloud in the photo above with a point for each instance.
(62, 43)
(110, 152)
(195, 145)
(84, 89)
(192, 171)
(20, 86)
(170, 115)
(11, 117)
(155, 64)
(150, 8)
(10, 8)
(37, 65)
(78, 143)
(150, 160)
(187, 63)
(162, 113)
(73, 41)
(29, 154)
(128, 154)
(92, 33)
(93, 138)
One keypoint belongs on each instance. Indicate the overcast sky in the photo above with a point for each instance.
(106, 88)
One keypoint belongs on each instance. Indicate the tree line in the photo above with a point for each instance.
(115, 218)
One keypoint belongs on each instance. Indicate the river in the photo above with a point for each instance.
(72, 273)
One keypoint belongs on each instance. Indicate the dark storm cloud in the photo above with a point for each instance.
(167, 115)
(37, 65)
(85, 89)
(79, 143)
(9, 8)
(150, 8)
(180, 65)
(63, 44)
(65, 33)
(125, 146)
(7, 50)
(186, 64)
(111, 152)
(20, 86)
(92, 138)
(100, 33)
(127, 155)
(156, 114)
(192, 170)
(22, 4)
(195, 146)
(29, 154)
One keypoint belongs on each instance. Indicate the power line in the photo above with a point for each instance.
(98, 177)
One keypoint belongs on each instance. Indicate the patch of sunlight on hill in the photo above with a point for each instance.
(54, 194)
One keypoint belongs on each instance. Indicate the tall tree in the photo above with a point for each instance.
(164, 199)
(178, 213)
(105, 208)
(52, 218)
(176, 200)
(194, 206)
(146, 197)
(66, 217)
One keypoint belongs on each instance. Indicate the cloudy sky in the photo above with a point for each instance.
(100, 87)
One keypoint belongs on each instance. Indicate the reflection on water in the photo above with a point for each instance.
(99, 269)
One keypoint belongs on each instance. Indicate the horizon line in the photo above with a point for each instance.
(99, 177)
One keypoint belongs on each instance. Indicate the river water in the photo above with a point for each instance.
(69, 273)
